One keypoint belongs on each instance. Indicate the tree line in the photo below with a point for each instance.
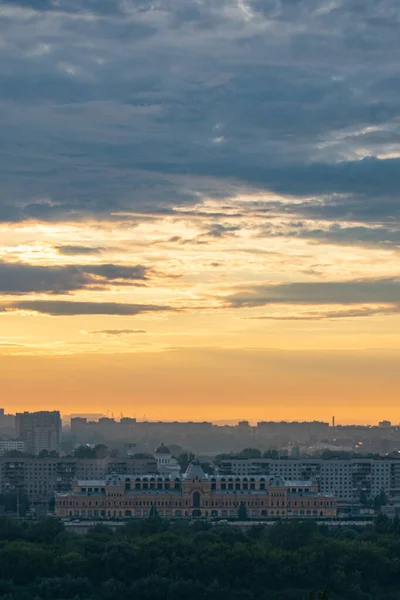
(158, 560)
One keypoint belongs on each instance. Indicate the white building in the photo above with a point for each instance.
(166, 464)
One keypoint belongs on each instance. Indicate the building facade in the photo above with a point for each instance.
(11, 445)
(346, 479)
(194, 496)
(166, 463)
(41, 478)
(39, 430)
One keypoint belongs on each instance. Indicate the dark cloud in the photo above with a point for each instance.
(364, 291)
(383, 237)
(22, 278)
(61, 308)
(79, 250)
(146, 119)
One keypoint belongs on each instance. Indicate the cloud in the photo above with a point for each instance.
(61, 308)
(335, 314)
(364, 291)
(116, 332)
(79, 250)
(298, 95)
(22, 278)
(369, 237)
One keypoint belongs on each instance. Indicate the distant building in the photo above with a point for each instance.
(39, 430)
(41, 478)
(166, 464)
(346, 479)
(7, 423)
(194, 495)
(10, 445)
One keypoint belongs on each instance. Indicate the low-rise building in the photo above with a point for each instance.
(194, 495)
(11, 445)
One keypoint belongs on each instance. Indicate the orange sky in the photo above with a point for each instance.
(244, 327)
(210, 384)
(199, 208)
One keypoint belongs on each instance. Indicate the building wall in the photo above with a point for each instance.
(346, 479)
(41, 478)
(185, 499)
(39, 430)
(9, 445)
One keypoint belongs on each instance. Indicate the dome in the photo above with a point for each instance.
(162, 450)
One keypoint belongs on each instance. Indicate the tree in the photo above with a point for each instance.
(271, 453)
(382, 523)
(242, 512)
(364, 500)
(322, 595)
(15, 502)
(153, 512)
(184, 460)
(142, 455)
(208, 468)
(84, 452)
(250, 453)
(99, 451)
(380, 500)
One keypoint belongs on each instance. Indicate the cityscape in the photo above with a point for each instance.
(199, 300)
(196, 469)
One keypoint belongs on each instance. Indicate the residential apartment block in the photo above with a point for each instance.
(40, 478)
(346, 479)
(11, 445)
(39, 430)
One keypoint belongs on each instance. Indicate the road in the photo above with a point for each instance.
(85, 526)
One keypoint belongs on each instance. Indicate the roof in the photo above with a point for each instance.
(299, 483)
(162, 450)
(91, 482)
(277, 482)
(195, 470)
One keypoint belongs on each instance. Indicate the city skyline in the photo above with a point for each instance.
(116, 416)
(199, 214)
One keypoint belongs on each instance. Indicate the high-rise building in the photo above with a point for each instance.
(7, 423)
(39, 430)
(347, 479)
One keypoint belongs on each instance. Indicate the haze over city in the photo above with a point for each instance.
(199, 214)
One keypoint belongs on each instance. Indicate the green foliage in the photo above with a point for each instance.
(184, 460)
(99, 451)
(250, 453)
(14, 502)
(271, 453)
(380, 500)
(242, 512)
(156, 559)
(142, 455)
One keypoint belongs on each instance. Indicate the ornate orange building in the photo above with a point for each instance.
(194, 495)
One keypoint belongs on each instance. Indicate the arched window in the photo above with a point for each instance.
(196, 499)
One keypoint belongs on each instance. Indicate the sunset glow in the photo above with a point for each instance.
(185, 237)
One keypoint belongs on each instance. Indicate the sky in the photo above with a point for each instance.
(199, 208)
